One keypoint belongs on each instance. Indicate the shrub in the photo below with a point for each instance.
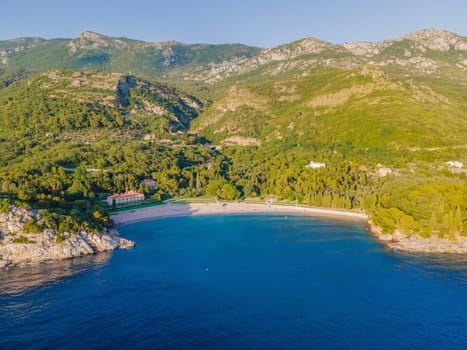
(59, 238)
(31, 226)
(4, 206)
(22, 239)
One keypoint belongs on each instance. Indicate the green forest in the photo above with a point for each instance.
(71, 138)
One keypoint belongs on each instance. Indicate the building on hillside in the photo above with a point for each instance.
(315, 165)
(127, 197)
(455, 164)
(149, 182)
(382, 172)
(149, 137)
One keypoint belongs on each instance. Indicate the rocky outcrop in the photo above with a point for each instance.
(14, 46)
(432, 39)
(437, 40)
(413, 52)
(19, 248)
(299, 55)
(242, 141)
(125, 83)
(93, 41)
(416, 243)
(367, 49)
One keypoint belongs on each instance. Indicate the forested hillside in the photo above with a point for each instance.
(100, 52)
(68, 138)
(233, 122)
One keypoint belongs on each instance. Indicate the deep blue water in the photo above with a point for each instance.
(239, 282)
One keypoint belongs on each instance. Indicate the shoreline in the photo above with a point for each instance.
(396, 241)
(210, 208)
(418, 244)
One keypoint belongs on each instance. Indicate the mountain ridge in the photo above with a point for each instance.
(69, 101)
(211, 63)
(417, 33)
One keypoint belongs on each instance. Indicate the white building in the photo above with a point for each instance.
(149, 137)
(455, 164)
(384, 171)
(127, 197)
(150, 183)
(315, 165)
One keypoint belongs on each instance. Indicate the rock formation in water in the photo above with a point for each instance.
(416, 243)
(18, 247)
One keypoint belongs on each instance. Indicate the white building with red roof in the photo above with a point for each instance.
(149, 183)
(127, 197)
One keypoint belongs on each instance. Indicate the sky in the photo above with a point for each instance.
(262, 23)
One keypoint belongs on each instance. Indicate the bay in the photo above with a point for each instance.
(240, 282)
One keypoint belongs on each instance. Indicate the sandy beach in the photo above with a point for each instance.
(186, 209)
(396, 241)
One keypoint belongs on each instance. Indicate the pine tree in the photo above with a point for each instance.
(433, 223)
(458, 220)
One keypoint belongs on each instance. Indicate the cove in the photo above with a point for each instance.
(240, 282)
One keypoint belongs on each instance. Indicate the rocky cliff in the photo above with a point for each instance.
(416, 243)
(18, 247)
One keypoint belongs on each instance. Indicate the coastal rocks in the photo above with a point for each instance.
(433, 245)
(397, 236)
(387, 237)
(415, 243)
(3, 263)
(19, 248)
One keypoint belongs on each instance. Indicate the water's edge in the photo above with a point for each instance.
(414, 243)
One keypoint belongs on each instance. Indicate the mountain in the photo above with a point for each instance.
(362, 107)
(428, 52)
(398, 94)
(68, 138)
(206, 70)
(385, 118)
(67, 101)
(99, 52)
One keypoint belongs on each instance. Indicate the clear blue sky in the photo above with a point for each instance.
(264, 23)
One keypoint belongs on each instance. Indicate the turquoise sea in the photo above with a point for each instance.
(239, 282)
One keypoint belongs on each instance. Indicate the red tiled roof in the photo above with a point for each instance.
(126, 195)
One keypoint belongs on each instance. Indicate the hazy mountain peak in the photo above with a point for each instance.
(304, 46)
(433, 39)
(429, 33)
(309, 41)
(92, 36)
(365, 48)
(25, 40)
(94, 41)
(437, 40)
(413, 53)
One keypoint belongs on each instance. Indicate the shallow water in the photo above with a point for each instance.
(240, 282)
